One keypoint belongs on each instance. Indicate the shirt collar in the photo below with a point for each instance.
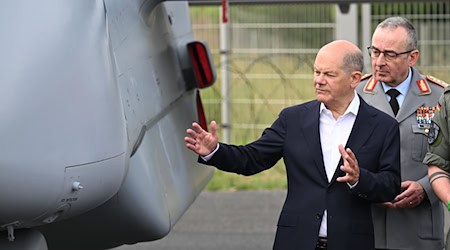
(402, 87)
(352, 108)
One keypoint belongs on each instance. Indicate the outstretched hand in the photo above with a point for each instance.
(201, 141)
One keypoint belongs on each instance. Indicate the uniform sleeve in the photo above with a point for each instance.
(438, 137)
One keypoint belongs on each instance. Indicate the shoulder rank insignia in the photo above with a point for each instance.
(364, 77)
(436, 81)
(370, 86)
(423, 87)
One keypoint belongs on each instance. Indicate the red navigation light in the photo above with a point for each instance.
(202, 64)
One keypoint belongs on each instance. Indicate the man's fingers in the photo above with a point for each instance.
(351, 155)
(342, 179)
(191, 133)
(213, 127)
(347, 155)
(388, 205)
(189, 140)
(412, 190)
(349, 166)
(405, 194)
(342, 150)
(197, 128)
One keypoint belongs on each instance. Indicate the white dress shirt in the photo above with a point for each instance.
(334, 132)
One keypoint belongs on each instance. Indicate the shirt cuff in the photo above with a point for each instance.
(208, 157)
(352, 186)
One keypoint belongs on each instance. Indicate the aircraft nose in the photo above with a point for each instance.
(58, 91)
(59, 102)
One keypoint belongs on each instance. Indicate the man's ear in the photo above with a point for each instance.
(356, 78)
(413, 57)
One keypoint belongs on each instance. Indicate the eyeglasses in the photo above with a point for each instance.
(388, 54)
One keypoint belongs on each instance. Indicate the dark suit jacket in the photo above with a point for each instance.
(294, 136)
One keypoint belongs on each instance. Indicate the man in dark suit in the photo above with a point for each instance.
(330, 187)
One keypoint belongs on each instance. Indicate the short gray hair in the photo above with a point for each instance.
(398, 21)
(353, 61)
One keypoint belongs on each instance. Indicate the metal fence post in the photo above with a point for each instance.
(224, 52)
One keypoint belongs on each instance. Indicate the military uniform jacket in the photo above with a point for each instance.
(295, 137)
(421, 227)
(438, 138)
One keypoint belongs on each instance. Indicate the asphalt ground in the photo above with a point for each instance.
(244, 220)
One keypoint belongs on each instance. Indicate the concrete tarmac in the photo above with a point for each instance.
(244, 220)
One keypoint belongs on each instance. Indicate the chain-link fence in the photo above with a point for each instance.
(273, 48)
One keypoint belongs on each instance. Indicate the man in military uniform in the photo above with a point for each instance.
(438, 156)
(414, 219)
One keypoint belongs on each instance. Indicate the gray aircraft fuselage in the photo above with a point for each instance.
(95, 104)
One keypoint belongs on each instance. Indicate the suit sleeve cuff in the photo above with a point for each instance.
(352, 186)
(208, 157)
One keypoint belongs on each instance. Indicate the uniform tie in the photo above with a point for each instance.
(393, 93)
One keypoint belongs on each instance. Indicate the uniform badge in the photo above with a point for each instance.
(436, 81)
(370, 86)
(433, 133)
(424, 116)
(423, 87)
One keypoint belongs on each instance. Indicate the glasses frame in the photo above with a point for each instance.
(387, 57)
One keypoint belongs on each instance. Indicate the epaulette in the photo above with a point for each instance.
(364, 77)
(423, 87)
(436, 81)
(370, 86)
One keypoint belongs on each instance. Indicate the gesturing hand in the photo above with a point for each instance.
(350, 166)
(201, 141)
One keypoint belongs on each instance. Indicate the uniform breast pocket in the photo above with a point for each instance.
(418, 144)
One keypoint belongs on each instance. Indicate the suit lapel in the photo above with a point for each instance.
(312, 135)
(361, 131)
